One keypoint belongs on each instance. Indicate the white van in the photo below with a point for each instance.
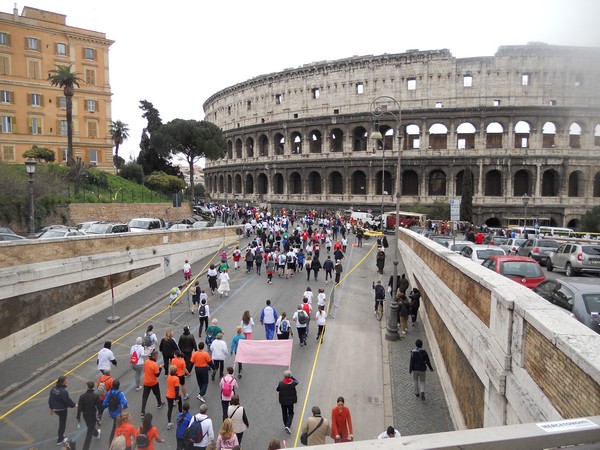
(520, 231)
(146, 224)
(365, 217)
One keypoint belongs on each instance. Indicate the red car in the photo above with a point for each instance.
(522, 269)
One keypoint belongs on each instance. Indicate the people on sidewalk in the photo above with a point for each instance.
(419, 362)
(288, 397)
(316, 428)
(88, 406)
(341, 422)
(59, 403)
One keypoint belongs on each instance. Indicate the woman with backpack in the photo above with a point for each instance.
(203, 315)
(228, 389)
(237, 414)
(147, 434)
(136, 360)
(183, 421)
(283, 327)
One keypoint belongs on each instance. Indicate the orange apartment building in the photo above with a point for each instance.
(33, 112)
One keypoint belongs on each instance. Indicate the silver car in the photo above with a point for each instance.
(537, 249)
(512, 245)
(581, 297)
(575, 258)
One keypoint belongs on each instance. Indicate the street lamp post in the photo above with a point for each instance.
(378, 109)
(378, 138)
(525, 199)
(30, 167)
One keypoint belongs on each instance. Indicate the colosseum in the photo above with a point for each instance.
(525, 121)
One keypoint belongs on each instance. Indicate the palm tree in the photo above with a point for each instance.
(64, 78)
(119, 132)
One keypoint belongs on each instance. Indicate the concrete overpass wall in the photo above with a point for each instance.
(46, 286)
(510, 357)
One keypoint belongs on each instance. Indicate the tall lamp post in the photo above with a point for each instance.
(379, 107)
(378, 138)
(525, 199)
(30, 167)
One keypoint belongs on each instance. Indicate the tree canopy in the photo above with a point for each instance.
(590, 221)
(119, 132)
(192, 140)
(40, 154)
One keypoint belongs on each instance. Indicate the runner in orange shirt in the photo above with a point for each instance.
(150, 431)
(182, 372)
(108, 382)
(173, 394)
(125, 428)
(202, 361)
(151, 373)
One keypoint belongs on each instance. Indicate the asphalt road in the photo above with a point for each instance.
(348, 364)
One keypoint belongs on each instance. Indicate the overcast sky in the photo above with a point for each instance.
(177, 53)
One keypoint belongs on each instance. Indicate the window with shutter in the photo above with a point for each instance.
(32, 44)
(61, 49)
(93, 157)
(90, 105)
(90, 77)
(92, 129)
(35, 125)
(5, 97)
(63, 128)
(35, 99)
(34, 69)
(62, 102)
(89, 53)
(4, 39)
(8, 153)
(4, 65)
(8, 124)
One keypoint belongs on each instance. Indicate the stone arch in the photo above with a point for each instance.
(387, 134)
(359, 183)
(296, 140)
(229, 184)
(295, 183)
(574, 223)
(550, 183)
(238, 148)
(437, 183)
(262, 184)
(336, 140)
(465, 136)
(549, 135)
(387, 183)
(596, 192)
(458, 185)
(412, 139)
(316, 141)
(493, 222)
(229, 149)
(221, 185)
(263, 145)
(315, 183)
(493, 183)
(438, 136)
(597, 135)
(335, 183)
(278, 184)
(493, 135)
(250, 147)
(360, 139)
(522, 132)
(575, 135)
(249, 184)
(410, 182)
(576, 187)
(237, 184)
(521, 183)
(279, 142)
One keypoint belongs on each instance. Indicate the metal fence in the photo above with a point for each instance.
(108, 195)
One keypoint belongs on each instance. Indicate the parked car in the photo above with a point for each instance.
(490, 239)
(107, 228)
(146, 224)
(457, 246)
(512, 245)
(479, 252)
(189, 220)
(581, 297)
(522, 269)
(5, 237)
(180, 226)
(59, 231)
(202, 224)
(83, 226)
(537, 249)
(6, 230)
(575, 258)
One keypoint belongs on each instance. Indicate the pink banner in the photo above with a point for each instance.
(274, 353)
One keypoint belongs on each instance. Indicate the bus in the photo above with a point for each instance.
(406, 219)
(556, 231)
(532, 222)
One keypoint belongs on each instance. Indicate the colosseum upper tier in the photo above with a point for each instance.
(525, 121)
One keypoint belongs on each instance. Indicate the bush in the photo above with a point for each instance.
(168, 184)
(40, 154)
(133, 171)
(97, 178)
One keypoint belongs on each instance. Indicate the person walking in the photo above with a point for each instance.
(181, 373)
(126, 429)
(270, 269)
(247, 324)
(321, 298)
(227, 439)
(147, 433)
(288, 397)
(338, 269)
(103, 387)
(106, 357)
(115, 402)
(403, 311)
(283, 327)
(234, 346)
(151, 373)
(211, 332)
(202, 361)
(268, 317)
(419, 362)
(195, 291)
(203, 316)
(59, 403)
(258, 260)
(187, 345)
(403, 284)
(301, 320)
(219, 352)
(187, 271)
(249, 257)
(237, 414)
(315, 266)
(237, 255)
(183, 421)
(328, 267)
(211, 275)
(228, 389)
(149, 341)
(224, 283)
(415, 303)
(341, 422)
(173, 394)
(321, 317)
(380, 260)
(316, 428)
(167, 347)
(307, 308)
(202, 428)
(308, 266)
(88, 406)
(136, 360)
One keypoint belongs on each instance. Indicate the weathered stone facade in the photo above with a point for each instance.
(526, 120)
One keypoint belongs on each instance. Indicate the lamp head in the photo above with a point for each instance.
(30, 166)
(525, 199)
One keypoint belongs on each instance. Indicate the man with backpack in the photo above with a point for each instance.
(301, 319)
(200, 431)
(103, 387)
(283, 327)
(419, 362)
(116, 402)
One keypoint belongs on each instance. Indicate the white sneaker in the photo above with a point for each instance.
(169, 426)
(199, 397)
(99, 432)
